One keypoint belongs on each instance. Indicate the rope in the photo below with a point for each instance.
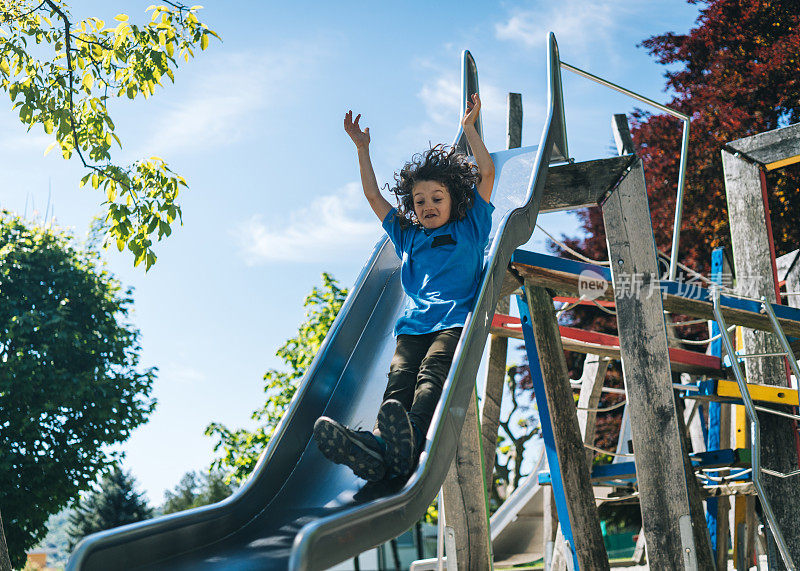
(567, 307)
(601, 451)
(573, 252)
(619, 499)
(723, 478)
(606, 409)
(609, 311)
(688, 322)
(664, 256)
(704, 341)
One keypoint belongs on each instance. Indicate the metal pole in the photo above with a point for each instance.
(440, 533)
(676, 228)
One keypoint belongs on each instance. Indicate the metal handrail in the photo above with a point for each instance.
(676, 228)
(755, 433)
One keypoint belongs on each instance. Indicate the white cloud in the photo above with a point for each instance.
(181, 373)
(230, 96)
(333, 227)
(441, 98)
(587, 26)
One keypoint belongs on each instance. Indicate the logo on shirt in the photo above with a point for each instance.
(443, 240)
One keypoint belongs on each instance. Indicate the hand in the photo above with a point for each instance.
(473, 109)
(360, 138)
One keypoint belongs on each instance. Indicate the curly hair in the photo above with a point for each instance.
(442, 164)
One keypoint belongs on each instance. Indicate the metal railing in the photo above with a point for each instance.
(752, 416)
(676, 228)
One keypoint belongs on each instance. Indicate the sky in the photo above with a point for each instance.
(254, 124)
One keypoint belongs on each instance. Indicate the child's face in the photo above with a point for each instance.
(432, 203)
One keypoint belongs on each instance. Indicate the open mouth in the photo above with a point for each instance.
(430, 216)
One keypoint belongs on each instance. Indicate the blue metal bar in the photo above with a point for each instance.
(714, 408)
(547, 427)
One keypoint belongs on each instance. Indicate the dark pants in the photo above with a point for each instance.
(418, 371)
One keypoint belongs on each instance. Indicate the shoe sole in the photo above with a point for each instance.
(396, 431)
(338, 446)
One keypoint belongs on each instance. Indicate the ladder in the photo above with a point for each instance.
(751, 409)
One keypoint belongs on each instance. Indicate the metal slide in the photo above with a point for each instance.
(298, 510)
(518, 524)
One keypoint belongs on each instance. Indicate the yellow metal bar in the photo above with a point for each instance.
(764, 393)
(782, 163)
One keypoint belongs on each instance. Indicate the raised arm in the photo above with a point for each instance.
(479, 151)
(380, 206)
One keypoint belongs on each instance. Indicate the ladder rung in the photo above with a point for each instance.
(777, 412)
(752, 355)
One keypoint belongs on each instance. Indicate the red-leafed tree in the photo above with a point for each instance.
(735, 74)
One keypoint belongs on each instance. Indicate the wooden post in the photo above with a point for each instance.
(464, 497)
(594, 373)
(550, 526)
(493, 397)
(674, 540)
(514, 121)
(585, 524)
(660, 470)
(498, 345)
(754, 263)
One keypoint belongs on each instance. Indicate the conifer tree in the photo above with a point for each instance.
(115, 503)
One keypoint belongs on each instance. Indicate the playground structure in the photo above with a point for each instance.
(299, 511)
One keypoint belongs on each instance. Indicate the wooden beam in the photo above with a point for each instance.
(754, 262)
(464, 497)
(661, 474)
(772, 149)
(578, 185)
(585, 524)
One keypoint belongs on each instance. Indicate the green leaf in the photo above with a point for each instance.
(88, 80)
(121, 17)
(204, 41)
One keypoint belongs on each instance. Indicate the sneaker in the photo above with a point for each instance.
(396, 431)
(357, 449)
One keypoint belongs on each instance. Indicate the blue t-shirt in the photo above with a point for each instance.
(441, 268)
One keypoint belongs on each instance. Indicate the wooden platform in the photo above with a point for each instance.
(682, 298)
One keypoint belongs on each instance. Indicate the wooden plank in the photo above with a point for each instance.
(772, 149)
(578, 185)
(463, 494)
(663, 493)
(594, 373)
(585, 524)
(753, 260)
(605, 345)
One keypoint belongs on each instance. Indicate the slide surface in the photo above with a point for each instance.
(298, 510)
